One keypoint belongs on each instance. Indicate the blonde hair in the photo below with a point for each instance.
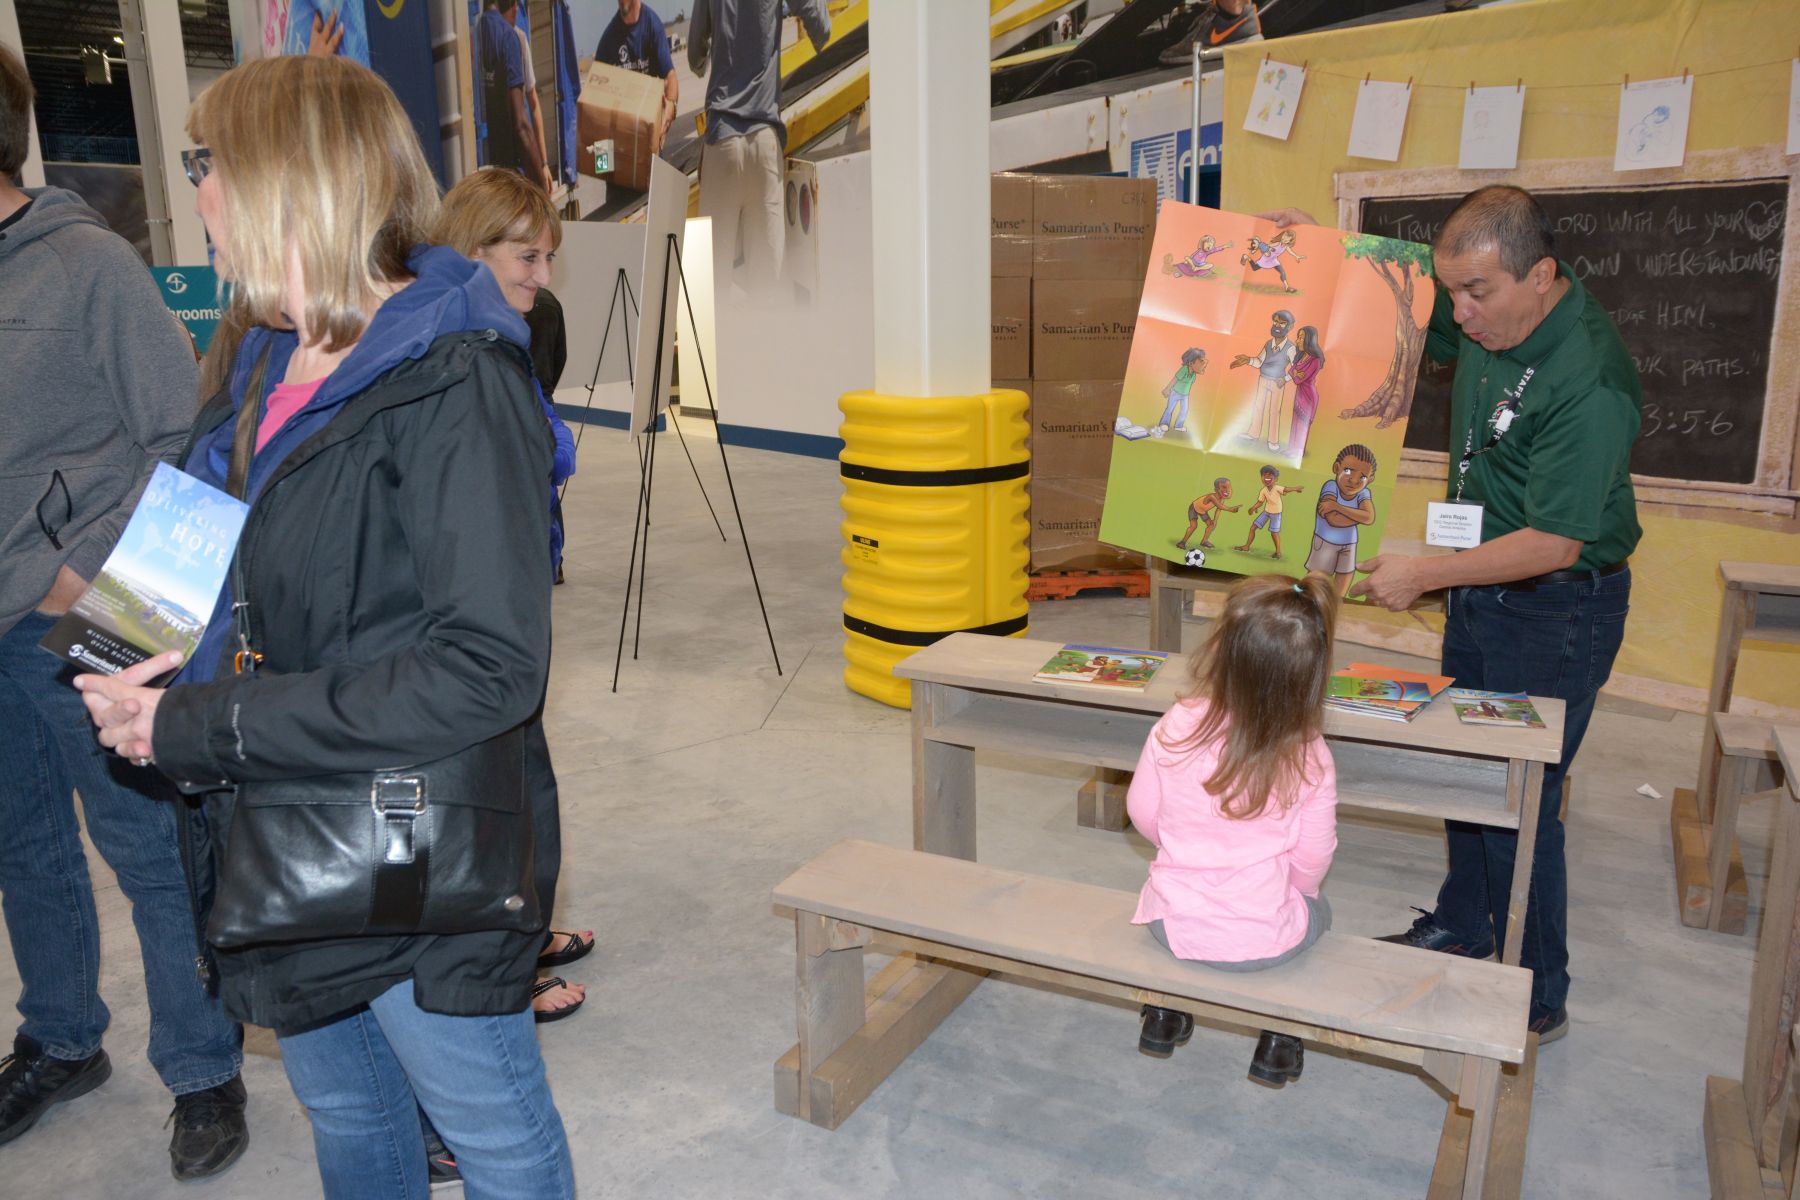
(1263, 676)
(492, 206)
(315, 154)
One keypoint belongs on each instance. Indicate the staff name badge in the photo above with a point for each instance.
(1455, 525)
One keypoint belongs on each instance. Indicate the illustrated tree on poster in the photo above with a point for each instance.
(1401, 265)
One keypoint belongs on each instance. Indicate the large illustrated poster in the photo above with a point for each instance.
(1253, 434)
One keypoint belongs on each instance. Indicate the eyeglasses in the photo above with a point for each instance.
(197, 163)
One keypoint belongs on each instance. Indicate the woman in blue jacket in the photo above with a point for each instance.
(397, 597)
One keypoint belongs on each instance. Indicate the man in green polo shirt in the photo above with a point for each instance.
(1544, 409)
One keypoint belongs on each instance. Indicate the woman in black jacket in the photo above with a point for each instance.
(392, 590)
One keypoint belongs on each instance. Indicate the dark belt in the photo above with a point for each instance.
(1572, 576)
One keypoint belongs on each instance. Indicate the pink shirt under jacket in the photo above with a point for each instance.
(1227, 890)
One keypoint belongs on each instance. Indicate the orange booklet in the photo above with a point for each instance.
(1437, 683)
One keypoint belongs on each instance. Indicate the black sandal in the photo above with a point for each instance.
(577, 948)
(545, 984)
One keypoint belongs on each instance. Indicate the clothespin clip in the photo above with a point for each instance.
(1684, 74)
(1628, 79)
(1409, 80)
(1471, 87)
(1366, 79)
(1520, 87)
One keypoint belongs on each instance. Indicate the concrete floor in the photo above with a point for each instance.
(708, 777)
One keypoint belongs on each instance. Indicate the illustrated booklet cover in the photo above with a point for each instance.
(1494, 708)
(157, 588)
(1392, 693)
(1102, 666)
(1265, 400)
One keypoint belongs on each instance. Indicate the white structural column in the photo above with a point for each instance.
(928, 97)
(162, 128)
(32, 176)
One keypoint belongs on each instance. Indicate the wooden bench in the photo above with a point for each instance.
(1459, 1020)
(1705, 834)
(1761, 604)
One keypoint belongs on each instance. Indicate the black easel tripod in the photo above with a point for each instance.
(625, 304)
(640, 527)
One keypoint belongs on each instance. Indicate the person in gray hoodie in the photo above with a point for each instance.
(99, 385)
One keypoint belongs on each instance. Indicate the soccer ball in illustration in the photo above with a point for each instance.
(1195, 557)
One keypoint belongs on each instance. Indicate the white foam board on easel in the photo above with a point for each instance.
(665, 216)
(584, 277)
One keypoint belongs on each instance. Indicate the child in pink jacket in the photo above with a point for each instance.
(1238, 793)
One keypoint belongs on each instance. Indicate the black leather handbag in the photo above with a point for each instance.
(440, 847)
(444, 847)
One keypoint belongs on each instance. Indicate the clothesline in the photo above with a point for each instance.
(1368, 77)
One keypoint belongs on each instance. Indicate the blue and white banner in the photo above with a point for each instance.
(1168, 158)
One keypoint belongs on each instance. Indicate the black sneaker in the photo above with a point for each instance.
(31, 1082)
(440, 1163)
(1279, 1059)
(210, 1132)
(1549, 1026)
(1427, 934)
(1214, 28)
(1164, 1029)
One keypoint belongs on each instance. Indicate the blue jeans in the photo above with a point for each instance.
(1559, 640)
(1174, 413)
(363, 1078)
(47, 753)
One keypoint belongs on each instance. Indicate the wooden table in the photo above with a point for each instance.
(973, 691)
(1750, 1126)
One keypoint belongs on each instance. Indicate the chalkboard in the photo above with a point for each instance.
(1690, 275)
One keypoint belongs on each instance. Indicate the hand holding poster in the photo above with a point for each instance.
(1270, 378)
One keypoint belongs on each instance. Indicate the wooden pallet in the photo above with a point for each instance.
(1060, 585)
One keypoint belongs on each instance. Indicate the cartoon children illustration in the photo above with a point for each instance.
(1345, 505)
(1197, 264)
(1269, 501)
(1207, 508)
(1265, 256)
(1309, 361)
(1269, 423)
(1174, 414)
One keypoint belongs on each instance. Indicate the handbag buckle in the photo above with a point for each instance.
(398, 796)
(398, 801)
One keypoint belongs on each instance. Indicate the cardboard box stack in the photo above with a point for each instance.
(1073, 250)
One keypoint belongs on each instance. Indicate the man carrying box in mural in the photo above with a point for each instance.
(1544, 408)
(635, 40)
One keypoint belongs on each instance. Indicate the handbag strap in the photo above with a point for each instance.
(237, 480)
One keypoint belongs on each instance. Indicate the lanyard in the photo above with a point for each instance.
(1504, 413)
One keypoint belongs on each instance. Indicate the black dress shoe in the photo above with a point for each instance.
(1427, 934)
(1164, 1029)
(210, 1133)
(1279, 1059)
(31, 1081)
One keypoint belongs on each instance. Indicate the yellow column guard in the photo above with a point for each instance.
(934, 527)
